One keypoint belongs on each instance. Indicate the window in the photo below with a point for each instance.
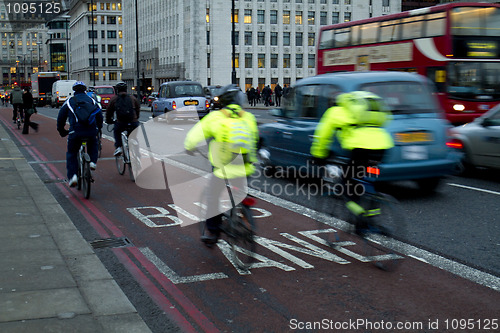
(299, 40)
(322, 18)
(92, 34)
(261, 60)
(274, 38)
(112, 48)
(335, 2)
(237, 61)
(385, 3)
(248, 60)
(412, 27)
(113, 76)
(93, 48)
(286, 60)
(112, 34)
(111, 20)
(248, 16)
(113, 62)
(103, 48)
(208, 37)
(236, 14)
(347, 17)
(342, 37)
(286, 39)
(311, 61)
(261, 38)
(248, 38)
(274, 17)
(236, 38)
(260, 16)
(274, 60)
(310, 17)
(103, 34)
(103, 61)
(435, 26)
(347, 2)
(369, 33)
(207, 15)
(94, 76)
(94, 62)
(311, 39)
(286, 17)
(335, 17)
(208, 60)
(299, 60)
(298, 17)
(389, 31)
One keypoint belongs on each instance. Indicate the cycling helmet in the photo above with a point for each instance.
(230, 94)
(79, 86)
(121, 86)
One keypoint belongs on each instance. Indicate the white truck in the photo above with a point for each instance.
(41, 86)
(61, 91)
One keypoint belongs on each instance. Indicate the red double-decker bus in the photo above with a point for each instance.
(456, 45)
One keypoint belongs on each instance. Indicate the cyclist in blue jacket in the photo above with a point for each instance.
(85, 120)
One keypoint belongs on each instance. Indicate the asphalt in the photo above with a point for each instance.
(50, 278)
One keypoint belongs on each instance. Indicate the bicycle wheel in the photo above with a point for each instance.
(126, 155)
(99, 143)
(86, 179)
(241, 232)
(385, 224)
(120, 164)
(79, 173)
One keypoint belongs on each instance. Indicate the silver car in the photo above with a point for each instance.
(480, 141)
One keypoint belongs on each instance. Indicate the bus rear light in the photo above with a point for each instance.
(458, 107)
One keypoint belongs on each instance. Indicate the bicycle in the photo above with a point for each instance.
(237, 224)
(123, 160)
(84, 173)
(19, 118)
(382, 220)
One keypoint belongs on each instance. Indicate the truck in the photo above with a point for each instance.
(61, 91)
(41, 86)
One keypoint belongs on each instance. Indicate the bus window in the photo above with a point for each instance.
(355, 31)
(342, 37)
(412, 27)
(326, 41)
(435, 25)
(369, 33)
(390, 31)
(475, 21)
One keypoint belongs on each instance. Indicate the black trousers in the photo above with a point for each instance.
(28, 123)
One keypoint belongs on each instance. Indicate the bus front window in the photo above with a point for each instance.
(474, 80)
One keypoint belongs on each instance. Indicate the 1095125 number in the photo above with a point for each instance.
(472, 324)
(39, 7)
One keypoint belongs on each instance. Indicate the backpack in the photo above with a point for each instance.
(124, 108)
(84, 111)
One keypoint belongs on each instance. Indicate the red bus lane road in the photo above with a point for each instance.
(297, 282)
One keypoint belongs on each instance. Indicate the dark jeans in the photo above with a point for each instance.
(120, 127)
(28, 123)
(215, 188)
(74, 143)
(18, 107)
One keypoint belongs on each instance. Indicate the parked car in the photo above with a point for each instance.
(180, 100)
(212, 93)
(480, 141)
(418, 127)
(106, 93)
(151, 98)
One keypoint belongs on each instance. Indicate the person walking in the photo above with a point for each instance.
(29, 109)
(278, 92)
(16, 98)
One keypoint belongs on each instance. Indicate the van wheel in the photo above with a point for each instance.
(429, 185)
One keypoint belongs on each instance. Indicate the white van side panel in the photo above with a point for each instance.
(61, 91)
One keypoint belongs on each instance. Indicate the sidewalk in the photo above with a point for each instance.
(50, 278)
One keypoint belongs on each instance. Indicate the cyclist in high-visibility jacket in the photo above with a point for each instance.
(358, 122)
(232, 150)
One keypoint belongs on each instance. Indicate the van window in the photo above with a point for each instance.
(289, 109)
(186, 90)
(313, 100)
(404, 97)
(105, 91)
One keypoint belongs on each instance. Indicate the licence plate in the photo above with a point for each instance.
(190, 102)
(413, 137)
(414, 153)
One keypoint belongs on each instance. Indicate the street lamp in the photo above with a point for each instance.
(50, 33)
(93, 39)
(137, 50)
(66, 21)
(31, 62)
(39, 55)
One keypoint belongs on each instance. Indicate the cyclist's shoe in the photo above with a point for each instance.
(210, 238)
(93, 166)
(118, 151)
(73, 181)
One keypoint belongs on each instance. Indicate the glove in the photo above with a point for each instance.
(64, 132)
(189, 152)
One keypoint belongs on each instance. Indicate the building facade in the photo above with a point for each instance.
(191, 39)
(97, 50)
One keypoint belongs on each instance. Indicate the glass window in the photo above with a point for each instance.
(261, 60)
(248, 16)
(299, 60)
(260, 16)
(261, 38)
(286, 17)
(347, 17)
(236, 38)
(299, 40)
(355, 34)
(475, 21)
(273, 17)
(311, 61)
(467, 80)
(435, 25)
(298, 17)
(335, 2)
(335, 17)
(347, 2)
(412, 27)
(248, 60)
(342, 37)
(286, 60)
(326, 39)
(248, 38)
(310, 17)
(236, 14)
(322, 18)
(389, 31)
(385, 3)
(286, 39)
(274, 60)
(274, 38)
(311, 39)
(369, 33)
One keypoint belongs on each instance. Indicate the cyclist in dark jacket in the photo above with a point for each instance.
(80, 129)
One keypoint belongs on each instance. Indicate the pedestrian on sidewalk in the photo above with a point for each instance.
(16, 98)
(278, 92)
(29, 109)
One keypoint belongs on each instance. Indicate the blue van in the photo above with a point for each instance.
(418, 127)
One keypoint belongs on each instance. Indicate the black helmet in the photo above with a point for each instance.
(229, 95)
(79, 86)
(121, 86)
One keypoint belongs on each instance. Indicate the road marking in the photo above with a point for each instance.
(474, 188)
(178, 129)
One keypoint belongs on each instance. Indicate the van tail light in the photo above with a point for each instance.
(207, 104)
(455, 143)
(373, 171)
(174, 105)
(249, 201)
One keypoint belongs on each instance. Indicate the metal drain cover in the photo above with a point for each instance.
(111, 242)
